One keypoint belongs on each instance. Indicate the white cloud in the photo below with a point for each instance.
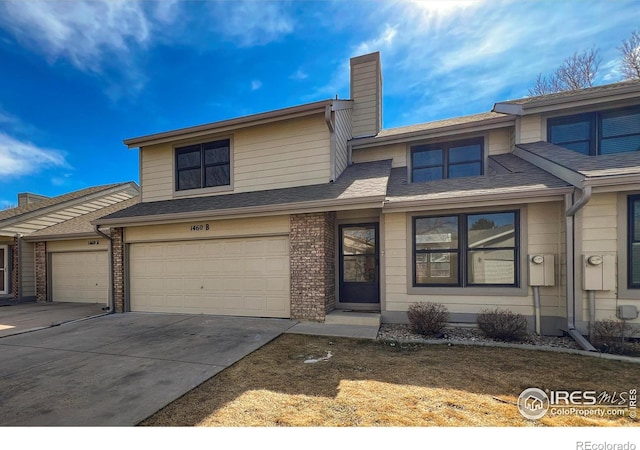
(85, 33)
(19, 158)
(380, 42)
(255, 85)
(299, 75)
(250, 23)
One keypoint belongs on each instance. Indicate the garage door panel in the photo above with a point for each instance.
(225, 276)
(81, 277)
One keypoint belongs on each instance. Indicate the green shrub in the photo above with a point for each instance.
(427, 319)
(502, 324)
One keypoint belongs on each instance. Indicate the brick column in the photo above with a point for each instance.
(117, 255)
(41, 271)
(312, 265)
(15, 264)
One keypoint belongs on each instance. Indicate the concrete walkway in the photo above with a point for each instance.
(119, 369)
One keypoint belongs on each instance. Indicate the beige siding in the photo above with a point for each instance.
(544, 235)
(272, 156)
(28, 269)
(499, 141)
(531, 129)
(78, 245)
(397, 152)
(342, 137)
(282, 155)
(220, 228)
(365, 91)
(156, 173)
(598, 225)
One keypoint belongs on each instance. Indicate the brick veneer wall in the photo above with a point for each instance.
(41, 271)
(312, 265)
(117, 255)
(15, 264)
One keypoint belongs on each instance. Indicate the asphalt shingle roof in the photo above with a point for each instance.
(589, 166)
(567, 95)
(358, 181)
(82, 224)
(516, 176)
(15, 212)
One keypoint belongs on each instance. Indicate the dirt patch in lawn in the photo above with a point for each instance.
(376, 383)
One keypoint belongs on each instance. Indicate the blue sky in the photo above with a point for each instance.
(76, 78)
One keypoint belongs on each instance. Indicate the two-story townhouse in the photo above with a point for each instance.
(308, 210)
(50, 251)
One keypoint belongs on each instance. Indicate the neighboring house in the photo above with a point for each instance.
(301, 211)
(49, 250)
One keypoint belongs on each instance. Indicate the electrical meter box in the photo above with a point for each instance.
(541, 270)
(598, 272)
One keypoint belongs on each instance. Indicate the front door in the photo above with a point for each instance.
(4, 273)
(359, 271)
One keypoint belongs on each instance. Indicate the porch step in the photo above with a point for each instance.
(353, 318)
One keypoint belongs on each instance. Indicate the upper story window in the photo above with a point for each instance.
(447, 160)
(597, 133)
(203, 165)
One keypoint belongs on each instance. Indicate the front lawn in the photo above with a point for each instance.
(375, 383)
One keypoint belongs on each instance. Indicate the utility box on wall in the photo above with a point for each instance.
(542, 270)
(598, 272)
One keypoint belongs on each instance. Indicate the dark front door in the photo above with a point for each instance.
(359, 271)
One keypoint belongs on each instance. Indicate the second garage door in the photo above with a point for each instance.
(81, 277)
(241, 277)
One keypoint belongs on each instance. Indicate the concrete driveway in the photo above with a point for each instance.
(118, 369)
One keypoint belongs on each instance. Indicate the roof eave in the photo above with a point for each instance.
(228, 125)
(483, 125)
(253, 211)
(529, 196)
(61, 237)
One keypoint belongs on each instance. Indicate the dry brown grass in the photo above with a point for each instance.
(371, 383)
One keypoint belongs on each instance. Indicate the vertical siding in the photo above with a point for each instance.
(365, 91)
(531, 129)
(599, 229)
(28, 269)
(343, 119)
(397, 152)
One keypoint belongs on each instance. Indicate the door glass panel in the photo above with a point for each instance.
(1, 258)
(359, 269)
(2, 270)
(359, 241)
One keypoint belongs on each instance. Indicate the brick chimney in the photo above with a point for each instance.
(366, 93)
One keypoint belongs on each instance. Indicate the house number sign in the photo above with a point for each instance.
(199, 227)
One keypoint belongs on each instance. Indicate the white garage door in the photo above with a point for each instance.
(240, 277)
(81, 277)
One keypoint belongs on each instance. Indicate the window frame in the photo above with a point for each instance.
(463, 250)
(446, 146)
(182, 148)
(595, 121)
(631, 232)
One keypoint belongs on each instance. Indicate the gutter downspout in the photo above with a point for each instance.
(328, 118)
(570, 212)
(110, 306)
